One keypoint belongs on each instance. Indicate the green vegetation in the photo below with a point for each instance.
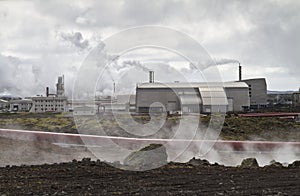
(260, 128)
(39, 122)
(235, 128)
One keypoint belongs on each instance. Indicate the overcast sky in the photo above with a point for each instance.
(43, 39)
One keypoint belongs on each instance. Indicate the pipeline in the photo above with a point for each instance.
(133, 143)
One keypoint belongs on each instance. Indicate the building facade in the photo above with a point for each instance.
(51, 102)
(22, 105)
(4, 105)
(257, 92)
(296, 99)
(192, 97)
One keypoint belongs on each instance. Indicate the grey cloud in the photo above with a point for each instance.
(75, 39)
(256, 33)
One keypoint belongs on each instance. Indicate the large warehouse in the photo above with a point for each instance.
(192, 97)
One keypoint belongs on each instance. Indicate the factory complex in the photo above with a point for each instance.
(155, 97)
(50, 103)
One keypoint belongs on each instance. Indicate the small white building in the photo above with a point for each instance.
(49, 104)
(52, 102)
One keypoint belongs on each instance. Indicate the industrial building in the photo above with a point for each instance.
(257, 92)
(296, 99)
(51, 102)
(191, 97)
(3, 105)
(20, 105)
(237, 96)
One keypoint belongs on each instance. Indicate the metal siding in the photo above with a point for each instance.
(240, 97)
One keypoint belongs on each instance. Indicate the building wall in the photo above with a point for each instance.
(3, 105)
(167, 97)
(238, 99)
(49, 104)
(296, 99)
(20, 105)
(257, 92)
(171, 102)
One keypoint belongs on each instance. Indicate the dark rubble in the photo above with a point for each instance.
(87, 177)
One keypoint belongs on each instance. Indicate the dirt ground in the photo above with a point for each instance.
(23, 172)
(97, 178)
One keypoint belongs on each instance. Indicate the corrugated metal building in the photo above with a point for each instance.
(257, 92)
(192, 97)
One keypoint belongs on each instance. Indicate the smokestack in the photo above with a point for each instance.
(47, 91)
(240, 72)
(114, 88)
(151, 76)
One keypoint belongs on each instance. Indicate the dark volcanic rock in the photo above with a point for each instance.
(274, 163)
(149, 157)
(198, 162)
(295, 164)
(249, 163)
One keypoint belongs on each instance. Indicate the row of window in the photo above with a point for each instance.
(49, 106)
(52, 109)
(36, 101)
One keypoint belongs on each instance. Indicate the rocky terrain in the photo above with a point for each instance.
(88, 177)
(41, 168)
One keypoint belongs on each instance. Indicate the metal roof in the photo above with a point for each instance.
(3, 101)
(21, 101)
(213, 96)
(190, 99)
(209, 85)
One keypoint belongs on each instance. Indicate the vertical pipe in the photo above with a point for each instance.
(240, 72)
(151, 76)
(114, 88)
(47, 91)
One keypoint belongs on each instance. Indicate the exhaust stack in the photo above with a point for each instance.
(240, 72)
(47, 91)
(151, 76)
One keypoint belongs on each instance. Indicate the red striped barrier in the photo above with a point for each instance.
(275, 114)
(134, 143)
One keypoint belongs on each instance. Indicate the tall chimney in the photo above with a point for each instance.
(47, 91)
(240, 72)
(151, 76)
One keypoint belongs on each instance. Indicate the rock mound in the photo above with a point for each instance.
(249, 163)
(295, 164)
(149, 157)
(198, 162)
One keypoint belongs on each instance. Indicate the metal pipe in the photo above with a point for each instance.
(240, 72)
(47, 91)
(151, 76)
